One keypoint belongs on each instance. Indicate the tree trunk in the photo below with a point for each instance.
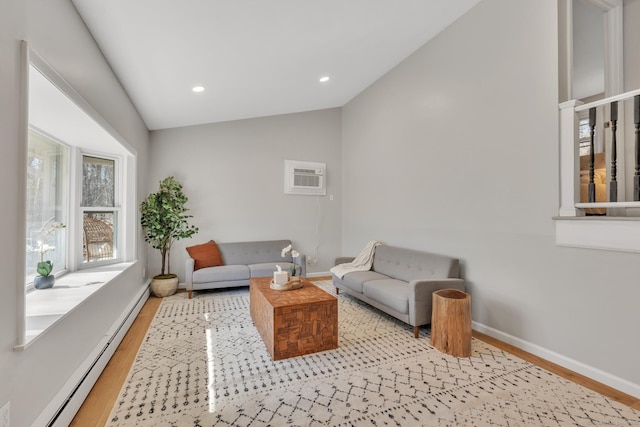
(451, 322)
(163, 253)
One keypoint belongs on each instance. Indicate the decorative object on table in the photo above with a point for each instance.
(164, 220)
(294, 254)
(287, 286)
(280, 277)
(282, 281)
(45, 279)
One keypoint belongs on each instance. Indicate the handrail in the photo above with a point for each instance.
(570, 204)
(605, 101)
(588, 205)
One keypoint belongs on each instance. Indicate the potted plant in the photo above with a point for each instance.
(45, 279)
(164, 220)
(294, 254)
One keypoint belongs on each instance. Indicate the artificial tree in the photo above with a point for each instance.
(164, 220)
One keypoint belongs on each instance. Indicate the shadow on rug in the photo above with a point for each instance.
(203, 363)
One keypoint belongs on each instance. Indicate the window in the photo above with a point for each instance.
(584, 135)
(74, 215)
(50, 197)
(79, 176)
(47, 203)
(99, 211)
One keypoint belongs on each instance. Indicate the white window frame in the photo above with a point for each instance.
(116, 209)
(68, 242)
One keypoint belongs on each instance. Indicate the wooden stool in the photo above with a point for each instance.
(451, 322)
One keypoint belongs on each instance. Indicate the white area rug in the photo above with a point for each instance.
(203, 364)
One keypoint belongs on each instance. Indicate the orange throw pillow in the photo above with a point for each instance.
(205, 255)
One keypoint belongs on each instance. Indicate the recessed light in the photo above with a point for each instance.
(197, 89)
(324, 79)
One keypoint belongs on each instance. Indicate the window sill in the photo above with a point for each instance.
(46, 307)
(621, 234)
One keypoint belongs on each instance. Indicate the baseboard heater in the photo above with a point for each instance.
(69, 407)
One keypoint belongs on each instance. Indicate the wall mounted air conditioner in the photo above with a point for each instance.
(306, 178)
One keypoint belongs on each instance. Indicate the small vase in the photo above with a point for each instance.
(44, 282)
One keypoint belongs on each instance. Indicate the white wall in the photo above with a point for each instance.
(233, 174)
(631, 82)
(456, 151)
(30, 379)
(588, 50)
(631, 37)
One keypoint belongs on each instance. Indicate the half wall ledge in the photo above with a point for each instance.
(621, 234)
(44, 308)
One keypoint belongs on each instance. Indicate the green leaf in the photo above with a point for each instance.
(44, 268)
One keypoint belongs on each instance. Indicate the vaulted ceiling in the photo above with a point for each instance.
(256, 58)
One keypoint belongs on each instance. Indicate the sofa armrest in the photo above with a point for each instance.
(344, 259)
(189, 265)
(301, 261)
(421, 297)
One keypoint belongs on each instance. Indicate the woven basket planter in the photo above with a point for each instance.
(163, 287)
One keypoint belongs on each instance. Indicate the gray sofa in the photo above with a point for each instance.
(401, 282)
(242, 261)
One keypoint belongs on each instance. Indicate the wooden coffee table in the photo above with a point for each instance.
(296, 322)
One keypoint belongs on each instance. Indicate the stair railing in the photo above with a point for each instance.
(570, 204)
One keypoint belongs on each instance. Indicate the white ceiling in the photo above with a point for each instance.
(256, 57)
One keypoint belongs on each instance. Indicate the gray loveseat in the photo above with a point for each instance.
(401, 282)
(242, 261)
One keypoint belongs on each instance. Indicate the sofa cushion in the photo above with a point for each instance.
(391, 292)
(408, 264)
(266, 269)
(221, 273)
(254, 252)
(205, 255)
(355, 279)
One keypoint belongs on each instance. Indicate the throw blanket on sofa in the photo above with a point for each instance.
(362, 262)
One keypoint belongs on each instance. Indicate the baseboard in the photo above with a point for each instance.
(318, 274)
(64, 406)
(596, 374)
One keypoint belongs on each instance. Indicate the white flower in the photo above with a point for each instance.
(285, 251)
(46, 248)
(288, 249)
(44, 235)
(294, 254)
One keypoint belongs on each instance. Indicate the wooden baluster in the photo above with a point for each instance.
(613, 184)
(592, 126)
(636, 177)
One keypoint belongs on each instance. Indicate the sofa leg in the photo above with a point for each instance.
(190, 293)
(416, 331)
(337, 291)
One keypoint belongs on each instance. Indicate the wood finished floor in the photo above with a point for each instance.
(96, 408)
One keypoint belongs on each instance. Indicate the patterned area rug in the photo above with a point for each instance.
(203, 364)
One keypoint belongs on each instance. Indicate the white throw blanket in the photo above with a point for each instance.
(362, 262)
